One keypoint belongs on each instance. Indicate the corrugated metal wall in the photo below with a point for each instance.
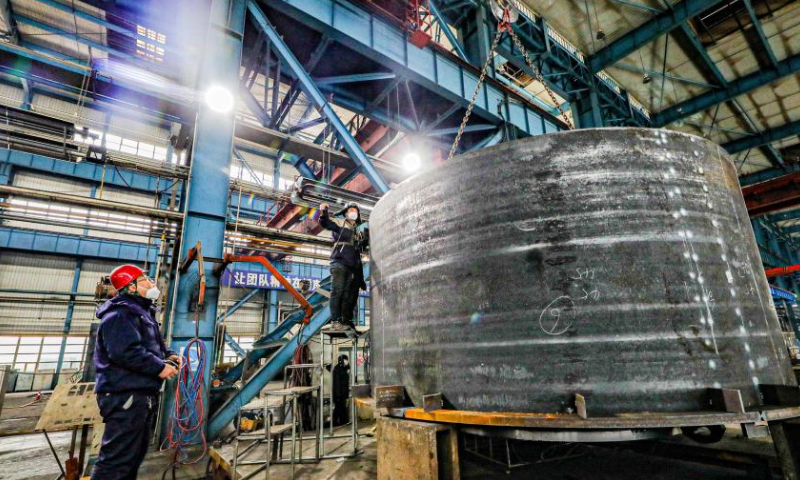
(247, 320)
(51, 183)
(22, 313)
(43, 314)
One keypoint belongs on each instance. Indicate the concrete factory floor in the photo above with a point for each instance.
(27, 457)
(20, 413)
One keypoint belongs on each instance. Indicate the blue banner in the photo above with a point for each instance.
(248, 279)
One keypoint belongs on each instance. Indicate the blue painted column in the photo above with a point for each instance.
(586, 110)
(5, 173)
(273, 311)
(276, 172)
(76, 278)
(362, 311)
(207, 189)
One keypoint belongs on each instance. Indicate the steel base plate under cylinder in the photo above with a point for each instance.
(612, 265)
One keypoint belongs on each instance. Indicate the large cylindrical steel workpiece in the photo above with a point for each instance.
(619, 264)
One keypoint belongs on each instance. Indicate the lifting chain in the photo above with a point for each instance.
(503, 26)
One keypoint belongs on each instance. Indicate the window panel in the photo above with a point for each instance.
(160, 153)
(129, 146)
(113, 142)
(28, 349)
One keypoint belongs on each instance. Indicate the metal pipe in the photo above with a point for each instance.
(782, 271)
(90, 202)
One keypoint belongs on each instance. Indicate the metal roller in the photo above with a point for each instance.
(618, 264)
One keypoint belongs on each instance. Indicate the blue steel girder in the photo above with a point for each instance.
(355, 78)
(255, 108)
(294, 91)
(768, 174)
(311, 90)
(566, 73)
(451, 37)
(85, 171)
(783, 216)
(75, 246)
(438, 72)
(766, 48)
(703, 59)
(763, 138)
(304, 125)
(661, 24)
(735, 88)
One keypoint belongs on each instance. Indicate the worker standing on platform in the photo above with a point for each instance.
(132, 363)
(347, 271)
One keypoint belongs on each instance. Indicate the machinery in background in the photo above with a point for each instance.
(104, 290)
(786, 305)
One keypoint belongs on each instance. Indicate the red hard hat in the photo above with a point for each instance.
(124, 275)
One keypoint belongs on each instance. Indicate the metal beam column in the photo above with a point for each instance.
(207, 189)
(273, 310)
(76, 278)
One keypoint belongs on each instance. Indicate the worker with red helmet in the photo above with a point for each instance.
(132, 363)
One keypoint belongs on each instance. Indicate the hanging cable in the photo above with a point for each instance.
(186, 424)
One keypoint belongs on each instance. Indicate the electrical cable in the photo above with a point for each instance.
(120, 175)
(186, 424)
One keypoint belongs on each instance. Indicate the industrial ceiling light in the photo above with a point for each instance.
(219, 99)
(411, 162)
(647, 78)
(601, 35)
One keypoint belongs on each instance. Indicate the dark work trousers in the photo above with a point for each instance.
(129, 420)
(344, 292)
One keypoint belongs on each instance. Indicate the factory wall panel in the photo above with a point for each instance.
(248, 319)
(35, 272)
(68, 111)
(52, 183)
(63, 215)
(43, 208)
(25, 313)
(12, 96)
(145, 132)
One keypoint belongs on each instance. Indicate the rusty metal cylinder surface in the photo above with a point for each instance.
(615, 263)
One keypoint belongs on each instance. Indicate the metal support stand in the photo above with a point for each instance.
(274, 432)
(332, 336)
(786, 438)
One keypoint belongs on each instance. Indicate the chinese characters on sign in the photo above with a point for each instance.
(247, 279)
(244, 279)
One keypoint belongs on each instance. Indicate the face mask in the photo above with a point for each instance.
(352, 215)
(153, 294)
